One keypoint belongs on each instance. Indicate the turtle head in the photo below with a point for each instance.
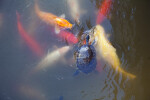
(87, 39)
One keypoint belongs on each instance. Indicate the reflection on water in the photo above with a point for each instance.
(17, 60)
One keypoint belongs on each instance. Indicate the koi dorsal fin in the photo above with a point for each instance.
(62, 16)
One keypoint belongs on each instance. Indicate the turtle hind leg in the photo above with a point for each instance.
(76, 72)
(61, 98)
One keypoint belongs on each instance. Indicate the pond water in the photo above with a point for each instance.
(126, 23)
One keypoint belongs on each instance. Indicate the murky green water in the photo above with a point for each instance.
(127, 23)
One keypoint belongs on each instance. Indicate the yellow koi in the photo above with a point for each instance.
(107, 51)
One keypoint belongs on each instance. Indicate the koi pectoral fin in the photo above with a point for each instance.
(57, 30)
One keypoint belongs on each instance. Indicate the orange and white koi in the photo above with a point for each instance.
(49, 18)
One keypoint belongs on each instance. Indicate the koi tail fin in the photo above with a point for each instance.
(131, 76)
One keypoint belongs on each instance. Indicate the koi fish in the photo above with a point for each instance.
(30, 92)
(51, 59)
(75, 9)
(69, 37)
(33, 45)
(107, 51)
(49, 18)
(104, 9)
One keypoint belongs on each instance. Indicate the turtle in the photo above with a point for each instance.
(85, 58)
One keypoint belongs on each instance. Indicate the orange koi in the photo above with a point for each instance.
(35, 47)
(49, 18)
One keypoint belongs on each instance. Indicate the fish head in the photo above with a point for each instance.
(98, 30)
(94, 33)
(63, 23)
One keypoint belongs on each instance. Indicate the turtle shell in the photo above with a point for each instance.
(86, 58)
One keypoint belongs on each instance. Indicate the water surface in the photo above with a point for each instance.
(127, 24)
